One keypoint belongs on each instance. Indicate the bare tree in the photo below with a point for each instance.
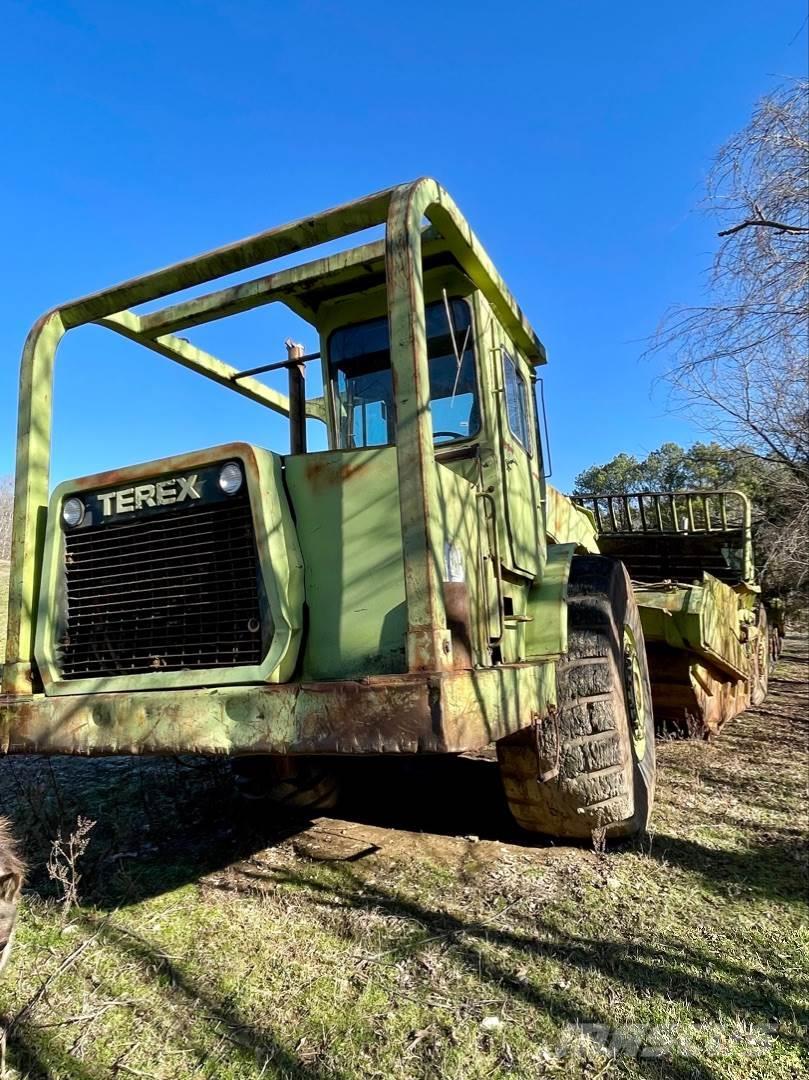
(6, 511)
(740, 360)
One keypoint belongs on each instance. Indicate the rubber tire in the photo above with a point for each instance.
(303, 784)
(760, 660)
(601, 782)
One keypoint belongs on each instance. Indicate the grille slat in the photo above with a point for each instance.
(169, 591)
(137, 601)
(104, 571)
(136, 542)
(152, 524)
(130, 661)
(110, 587)
(133, 553)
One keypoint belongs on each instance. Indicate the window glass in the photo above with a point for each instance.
(516, 401)
(359, 357)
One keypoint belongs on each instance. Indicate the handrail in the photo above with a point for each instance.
(628, 510)
(675, 515)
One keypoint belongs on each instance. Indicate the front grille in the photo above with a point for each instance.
(167, 592)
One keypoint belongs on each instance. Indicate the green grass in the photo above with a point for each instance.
(219, 939)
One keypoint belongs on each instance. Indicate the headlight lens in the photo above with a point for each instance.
(72, 512)
(231, 478)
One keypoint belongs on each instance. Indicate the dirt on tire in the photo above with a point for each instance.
(579, 772)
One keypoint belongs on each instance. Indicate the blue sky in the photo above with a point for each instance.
(575, 136)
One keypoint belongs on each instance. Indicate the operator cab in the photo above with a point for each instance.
(481, 400)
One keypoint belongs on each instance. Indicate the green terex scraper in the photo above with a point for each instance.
(415, 588)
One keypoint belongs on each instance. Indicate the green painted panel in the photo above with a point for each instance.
(568, 523)
(346, 508)
(546, 634)
(704, 618)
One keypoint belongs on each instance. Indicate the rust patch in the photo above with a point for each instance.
(382, 716)
(459, 623)
(690, 698)
(331, 472)
(435, 713)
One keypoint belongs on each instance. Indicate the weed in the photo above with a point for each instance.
(63, 861)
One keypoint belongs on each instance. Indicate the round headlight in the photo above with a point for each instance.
(231, 478)
(72, 512)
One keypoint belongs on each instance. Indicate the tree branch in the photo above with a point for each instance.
(765, 224)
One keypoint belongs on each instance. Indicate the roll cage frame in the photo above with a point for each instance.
(402, 211)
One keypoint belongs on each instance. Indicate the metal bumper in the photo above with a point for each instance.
(449, 712)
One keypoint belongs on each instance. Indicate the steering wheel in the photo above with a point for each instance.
(448, 435)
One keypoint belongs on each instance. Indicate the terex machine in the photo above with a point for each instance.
(398, 593)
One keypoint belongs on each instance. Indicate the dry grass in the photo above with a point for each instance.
(219, 940)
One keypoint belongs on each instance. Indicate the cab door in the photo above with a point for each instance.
(520, 461)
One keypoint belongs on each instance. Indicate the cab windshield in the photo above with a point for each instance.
(359, 360)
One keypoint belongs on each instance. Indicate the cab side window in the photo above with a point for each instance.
(516, 402)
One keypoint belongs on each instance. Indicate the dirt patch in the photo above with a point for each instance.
(384, 856)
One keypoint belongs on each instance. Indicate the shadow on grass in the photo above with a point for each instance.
(250, 1048)
(639, 966)
(775, 867)
(495, 956)
(161, 825)
(33, 1053)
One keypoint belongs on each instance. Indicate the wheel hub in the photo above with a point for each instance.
(636, 703)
